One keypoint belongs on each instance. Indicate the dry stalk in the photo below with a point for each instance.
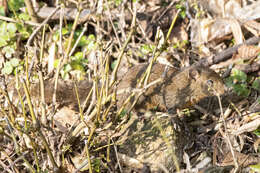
(39, 27)
(78, 39)
(72, 32)
(16, 21)
(226, 131)
(64, 59)
(60, 30)
(37, 126)
(29, 101)
(31, 11)
(112, 24)
(114, 73)
(43, 112)
(11, 117)
(16, 144)
(89, 160)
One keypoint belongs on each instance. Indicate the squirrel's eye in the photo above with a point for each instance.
(210, 82)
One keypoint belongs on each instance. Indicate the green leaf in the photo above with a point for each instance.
(3, 42)
(239, 75)
(15, 62)
(118, 2)
(24, 30)
(9, 51)
(64, 31)
(123, 113)
(113, 64)
(65, 75)
(6, 36)
(256, 84)
(18, 69)
(146, 49)
(238, 81)
(91, 46)
(78, 55)
(56, 35)
(83, 41)
(15, 4)
(178, 6)
(77, 65)
(91, 43)
(11, 27)
(241, 89)
(65, 71)
(8, 68)
(257, 132)
(24, 16)
(25, 34)
(84, 61)
(56, 63)
(182, 8)
(255, 168)
(91, 38)
(97, 164)
(183, 14)
(3, 28)
(67, 68)
(229, 82)
(2, 11)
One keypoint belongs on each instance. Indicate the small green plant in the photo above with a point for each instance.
(89, 43)
(114, 3)
(255, 168)
(8, 45)
(8, 37)
(7, 34)
(118, 2)
(256, 85)
(146, 49)
(78, 61)
(239, 82)
(122, 114)
(97, 164)
(15, 5)
(181, 44)
(10, 66)
(257, 133)
(180, 6)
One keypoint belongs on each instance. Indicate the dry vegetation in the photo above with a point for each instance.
(97, 42)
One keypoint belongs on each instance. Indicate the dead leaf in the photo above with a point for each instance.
(248, 51)
(253, 27)
(251, 126)
(80, 162)
(256, 145)
(227, 18)
(64, 117)
(51, 57)
(236, 31)
(242, 159)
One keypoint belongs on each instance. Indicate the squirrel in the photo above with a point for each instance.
(177, 89)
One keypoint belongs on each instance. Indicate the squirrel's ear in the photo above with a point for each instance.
(194, 73)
